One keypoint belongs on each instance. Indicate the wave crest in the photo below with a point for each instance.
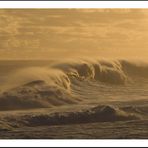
(37, 87)
(108, 72)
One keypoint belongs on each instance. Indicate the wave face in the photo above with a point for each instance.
(72, 82)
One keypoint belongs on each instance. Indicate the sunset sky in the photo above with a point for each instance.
(55, 33)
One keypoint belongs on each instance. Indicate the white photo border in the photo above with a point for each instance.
(73, 4)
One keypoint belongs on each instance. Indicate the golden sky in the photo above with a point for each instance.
(55, 33)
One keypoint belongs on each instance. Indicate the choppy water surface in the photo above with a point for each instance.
(51, 93)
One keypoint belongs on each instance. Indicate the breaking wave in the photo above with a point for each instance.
(37, 87)
(104, 71)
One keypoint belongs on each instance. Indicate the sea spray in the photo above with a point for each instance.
(69, 82)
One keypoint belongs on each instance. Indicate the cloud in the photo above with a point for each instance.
(70, 30)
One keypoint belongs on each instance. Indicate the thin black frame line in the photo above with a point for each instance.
(75, 0)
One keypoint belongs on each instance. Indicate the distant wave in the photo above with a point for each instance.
(38, 87)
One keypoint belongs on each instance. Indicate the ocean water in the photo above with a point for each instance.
(84, 95)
